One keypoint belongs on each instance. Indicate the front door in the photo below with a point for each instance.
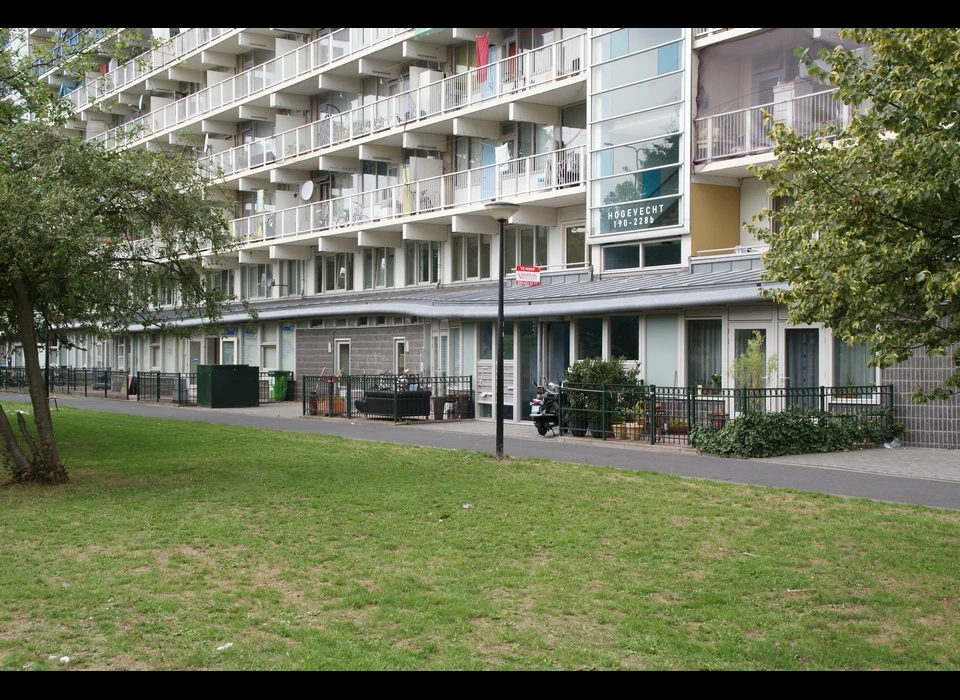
(756, 377)
(802, 367)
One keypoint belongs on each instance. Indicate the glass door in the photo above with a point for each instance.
(802, 367)
(756, 374)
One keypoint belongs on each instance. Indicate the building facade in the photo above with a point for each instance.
(359, 162)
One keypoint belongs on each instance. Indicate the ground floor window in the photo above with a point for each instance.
(850, 364)
(625, 337)
(704, 351)
(589, 338)
(525, 245)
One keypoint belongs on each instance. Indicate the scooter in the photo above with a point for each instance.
(544, 408)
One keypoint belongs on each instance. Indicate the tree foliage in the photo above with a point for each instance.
(869, 243)
(90, 237)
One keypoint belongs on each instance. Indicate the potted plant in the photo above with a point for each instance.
(677, 426)
(598, 383)
(718, 417)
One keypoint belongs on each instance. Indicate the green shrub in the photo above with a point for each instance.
(795, 432)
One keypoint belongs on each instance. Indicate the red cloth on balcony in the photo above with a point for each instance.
(483, 54)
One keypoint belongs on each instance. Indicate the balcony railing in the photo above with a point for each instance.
(168, 53)
(64, 46)
(259, 79)
(539, 173)
(546, 64)
(744, 132)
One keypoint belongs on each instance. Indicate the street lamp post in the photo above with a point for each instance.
(501, 211)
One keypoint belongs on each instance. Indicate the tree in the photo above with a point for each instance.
(88, 237)
(869, 243)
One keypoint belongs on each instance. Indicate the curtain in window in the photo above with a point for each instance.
(850, 364)
(704, 351)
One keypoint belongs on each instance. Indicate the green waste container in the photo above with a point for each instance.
(279, 380)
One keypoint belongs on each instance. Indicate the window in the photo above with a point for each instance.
(155, 351)
(467, 153)
(255, 281)
(850, 364)
(423, 262)
(333, 273)
(485, 340)
(704, 351)
(268, 347)
(291, 278)
(471, 257)
(776, 206)
(378, 268)
(400, 354)
(526, 246)
(625, 337)
(575, 245)
(589, 338)
(221, 280)
(654, 254)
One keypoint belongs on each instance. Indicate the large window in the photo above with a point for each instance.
(470, 257)
(255, 281)
(526, 245)
(221, 280)
(641, 255)
(291, 278)
(704, 351)
(850, 364)
(422, 262)
(334, 272)
(589, 338)
(575, 245)
(378, 267)
(625, 337)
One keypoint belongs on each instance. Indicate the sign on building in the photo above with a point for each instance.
(528, 275)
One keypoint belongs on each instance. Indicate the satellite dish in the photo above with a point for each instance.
(306, 190)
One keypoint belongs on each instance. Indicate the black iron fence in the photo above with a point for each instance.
(167, 387)
(70, 380)
(389, 396)
(666, 414)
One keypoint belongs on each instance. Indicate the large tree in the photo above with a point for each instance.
(869, 238)
(89, 236)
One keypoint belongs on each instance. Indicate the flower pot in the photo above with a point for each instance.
(577, 426)
(619, 431)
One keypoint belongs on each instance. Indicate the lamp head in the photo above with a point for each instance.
(501, 210)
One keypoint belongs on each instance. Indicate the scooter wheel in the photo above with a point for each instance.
(541, 427)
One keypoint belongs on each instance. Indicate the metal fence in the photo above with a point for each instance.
(396, 397)
(666, 414)
(167, 387)
(71, 380)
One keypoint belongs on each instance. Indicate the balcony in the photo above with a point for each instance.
(743, 132)
(296, 64)
(163, 56)
(548, 172)
(545, 65)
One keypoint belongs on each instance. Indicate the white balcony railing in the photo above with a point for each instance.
(522, 176)
(546, 64)
(164, 55)
(743, 132)
(259, 79)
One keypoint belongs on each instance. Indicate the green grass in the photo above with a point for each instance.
(174, 539)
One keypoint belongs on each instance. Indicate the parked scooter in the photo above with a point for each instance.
(544, 408)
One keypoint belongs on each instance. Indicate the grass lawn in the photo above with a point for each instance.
(181, 545)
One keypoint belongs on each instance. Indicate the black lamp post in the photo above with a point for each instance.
(501, 211)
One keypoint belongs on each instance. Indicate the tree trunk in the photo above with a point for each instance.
(47, 468)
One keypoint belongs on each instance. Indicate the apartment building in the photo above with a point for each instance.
(360, 161)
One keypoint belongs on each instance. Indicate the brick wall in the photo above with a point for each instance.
(933, 424)
(371, 348)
